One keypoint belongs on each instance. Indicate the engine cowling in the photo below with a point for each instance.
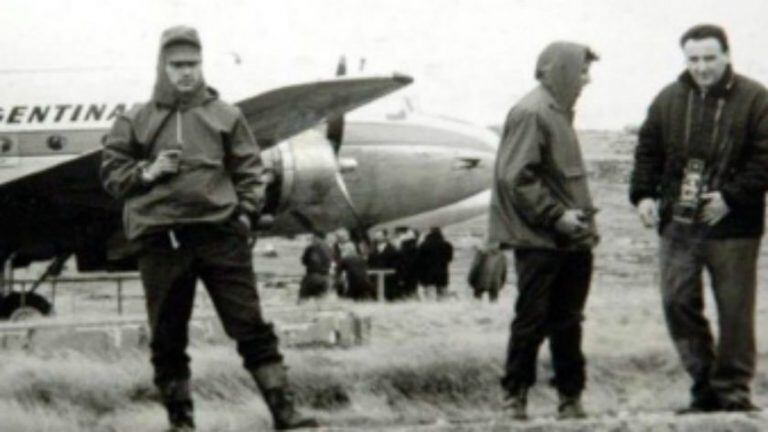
(307, 192)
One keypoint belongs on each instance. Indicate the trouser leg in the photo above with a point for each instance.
(536, 273)
(493, 296)
(391, 287)
(683, 303)
(566, 306)
(733, 266)
(169, 285)
(226, 269)
(314, 285)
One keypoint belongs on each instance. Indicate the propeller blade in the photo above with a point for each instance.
(335, 132)
(335, 128)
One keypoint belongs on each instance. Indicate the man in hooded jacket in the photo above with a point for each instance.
(541, 207)
(189, 172)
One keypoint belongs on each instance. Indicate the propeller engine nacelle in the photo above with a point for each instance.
(307, 192)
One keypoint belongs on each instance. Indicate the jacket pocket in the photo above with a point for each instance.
(575, 185)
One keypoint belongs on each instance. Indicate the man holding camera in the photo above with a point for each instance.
(189, 171)
(700, 175)
(541, 207)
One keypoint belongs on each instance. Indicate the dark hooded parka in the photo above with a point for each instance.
(220, 163)
(539, 169)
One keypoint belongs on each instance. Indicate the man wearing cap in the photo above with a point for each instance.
(189, 172)
(700, 176)
(541, 207)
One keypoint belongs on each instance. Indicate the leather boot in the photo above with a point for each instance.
(516, 402)
(272, 380)
(178, 402)
(570, 408)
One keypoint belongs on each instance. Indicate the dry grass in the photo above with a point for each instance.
(428, 363)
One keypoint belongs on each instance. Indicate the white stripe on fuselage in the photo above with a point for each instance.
(460, 211)
(60, 116)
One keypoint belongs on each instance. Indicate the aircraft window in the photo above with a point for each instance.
(56, 142)
(6, 144)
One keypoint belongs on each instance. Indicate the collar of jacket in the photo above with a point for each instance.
(200, 97)
(720, 89)
(554, 105)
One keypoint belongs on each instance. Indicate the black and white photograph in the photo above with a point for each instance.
(383, 215)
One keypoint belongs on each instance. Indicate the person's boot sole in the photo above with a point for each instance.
(308, 423)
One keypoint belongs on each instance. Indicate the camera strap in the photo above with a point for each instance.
(714, 151)
(155, 133)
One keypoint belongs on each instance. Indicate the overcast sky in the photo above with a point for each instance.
(471, 58)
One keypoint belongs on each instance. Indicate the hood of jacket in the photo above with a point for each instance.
(164, 93)
(559, 70)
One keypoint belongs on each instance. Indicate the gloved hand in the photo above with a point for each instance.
(245, 220)
(166, 163)
(572, 223)
(715, 207)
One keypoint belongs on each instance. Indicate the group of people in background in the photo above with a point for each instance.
(347, 263)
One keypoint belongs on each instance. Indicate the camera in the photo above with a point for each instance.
(687, 207)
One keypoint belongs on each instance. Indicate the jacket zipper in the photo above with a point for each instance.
(179, 135)
(172, 238)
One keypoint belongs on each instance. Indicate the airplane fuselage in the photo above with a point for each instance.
(417, 169)
(402, 167)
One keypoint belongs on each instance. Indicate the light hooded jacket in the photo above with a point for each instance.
(220, 165)
(539, 172)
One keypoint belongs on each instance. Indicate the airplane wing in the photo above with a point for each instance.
(66, 180)
(58, 210)
(284, 112)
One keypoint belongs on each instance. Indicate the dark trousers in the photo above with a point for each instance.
(724, 369)
(493, 294)
(221, 257)
(314, 285)
(553, 287)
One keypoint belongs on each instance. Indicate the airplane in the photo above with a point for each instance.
(323, 172)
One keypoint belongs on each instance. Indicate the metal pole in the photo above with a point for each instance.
(119, 296)
(53, 293)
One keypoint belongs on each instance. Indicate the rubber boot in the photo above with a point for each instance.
(272, 380)
(570, 408)
(516, 402)
(704, 399)
(178, 402)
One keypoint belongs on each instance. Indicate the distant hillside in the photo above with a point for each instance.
(601, 144)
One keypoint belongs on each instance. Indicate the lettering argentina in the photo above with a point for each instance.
(61, 113)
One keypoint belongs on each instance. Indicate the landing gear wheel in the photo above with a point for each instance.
(34, 306)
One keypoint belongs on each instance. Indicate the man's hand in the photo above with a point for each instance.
(648, 212)
(714, 208)
(571, 223)
(166, 163)
(245, 220)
